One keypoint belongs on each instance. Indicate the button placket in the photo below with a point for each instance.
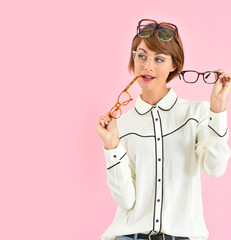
(159, 165)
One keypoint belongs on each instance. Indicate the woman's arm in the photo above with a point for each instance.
(212, 131)
(212, 136)
(120, 173)
(120, 176)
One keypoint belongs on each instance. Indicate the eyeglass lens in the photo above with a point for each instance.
(117, 111)
(165, 34)
(124, 98)
(209, 77)
(141, 58)
(165, 31)
(146, 28)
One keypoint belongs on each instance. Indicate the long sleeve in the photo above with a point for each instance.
(120, 176)
(212, 136)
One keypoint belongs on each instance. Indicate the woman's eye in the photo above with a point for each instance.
(142, 56)
(158, 59)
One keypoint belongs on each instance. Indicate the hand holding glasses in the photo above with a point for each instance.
(191, 76)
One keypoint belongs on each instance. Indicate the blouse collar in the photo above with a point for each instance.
(165, 104)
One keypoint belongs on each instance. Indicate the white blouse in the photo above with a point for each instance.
(154, 173)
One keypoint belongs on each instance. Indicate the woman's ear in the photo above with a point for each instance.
(174, 67)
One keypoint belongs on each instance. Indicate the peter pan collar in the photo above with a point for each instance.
(165, 104)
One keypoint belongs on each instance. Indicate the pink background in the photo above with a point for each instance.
(62, 65)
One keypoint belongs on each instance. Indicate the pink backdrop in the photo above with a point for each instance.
(62, 65)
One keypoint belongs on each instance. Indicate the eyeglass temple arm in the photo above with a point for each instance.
(129, 85)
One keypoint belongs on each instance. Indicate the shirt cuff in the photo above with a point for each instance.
(114, 156)
(218, 122)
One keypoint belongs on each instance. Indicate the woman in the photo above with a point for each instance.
(155, 151)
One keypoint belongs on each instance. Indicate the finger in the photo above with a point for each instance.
(220, 70)
(105, 118)
(113, 116)
(217, 87)
(99, 125)
(101, 129)
(224, 74)
(102, 123)
(108, 116)
(221, 73)
(225, 78)
(225, 91)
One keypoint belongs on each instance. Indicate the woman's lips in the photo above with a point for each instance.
(148, 79)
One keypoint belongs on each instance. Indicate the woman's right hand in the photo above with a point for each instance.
(107, 129)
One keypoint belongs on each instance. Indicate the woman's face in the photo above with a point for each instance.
(160, 73)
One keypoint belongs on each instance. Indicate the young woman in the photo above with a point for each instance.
(155, 151)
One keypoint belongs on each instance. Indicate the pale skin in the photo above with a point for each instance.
(155, 90)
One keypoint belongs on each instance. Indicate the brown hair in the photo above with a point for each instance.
(174, 47)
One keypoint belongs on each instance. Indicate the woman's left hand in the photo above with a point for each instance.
(220, 92)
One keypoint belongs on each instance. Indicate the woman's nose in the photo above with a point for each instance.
(149, 65)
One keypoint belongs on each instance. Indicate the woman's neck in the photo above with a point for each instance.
(154, 97)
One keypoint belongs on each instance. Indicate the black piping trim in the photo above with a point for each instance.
(135, 134)
(180, 126)
(113, 165)
(218, 133)
(145, 112)
(162, 172)
(156, 173)
(154, 136)
(170, 107)
(123, 156)
(117, 162)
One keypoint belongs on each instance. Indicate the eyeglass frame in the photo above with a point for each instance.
(198, 75)
(134, 52)
(118, 104)
(154, 28)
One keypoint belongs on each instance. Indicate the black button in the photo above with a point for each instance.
(159, 180)
(159, 159)
(156, 119)
(114, 156)
(210, 118)
(157, 220)
(158, 139)
(154, 106)
(158, 200)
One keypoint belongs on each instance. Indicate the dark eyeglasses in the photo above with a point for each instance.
(191, 76)
(165, 31)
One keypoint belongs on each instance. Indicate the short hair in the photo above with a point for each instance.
(174, 47)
